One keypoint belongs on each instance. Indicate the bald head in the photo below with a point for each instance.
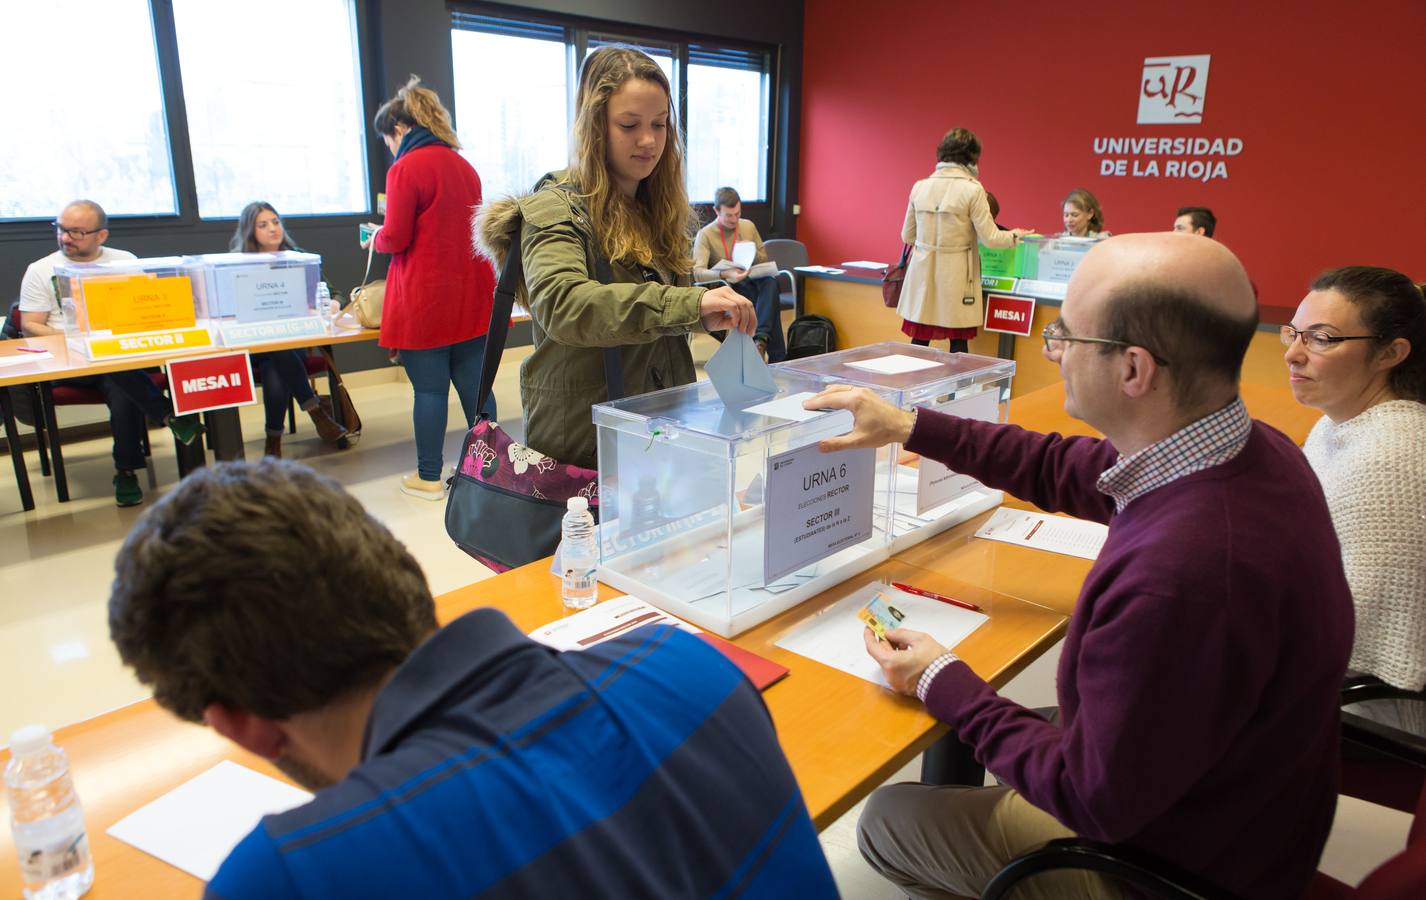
(1184, 298)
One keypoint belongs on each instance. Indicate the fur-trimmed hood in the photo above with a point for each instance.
(493, 226)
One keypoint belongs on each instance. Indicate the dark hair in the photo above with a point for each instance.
(266, 588)
(994, 205)
(244, 238)
(100, 216)
(1201, 217)
(1391, 306)
(415, 105)
(1204, 347)
(1090, 204)
(960, 145)
(726, 196)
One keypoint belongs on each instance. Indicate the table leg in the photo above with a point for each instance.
(225, 434)
(17, 453)
(61, 481)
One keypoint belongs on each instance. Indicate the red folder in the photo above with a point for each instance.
(762, 672)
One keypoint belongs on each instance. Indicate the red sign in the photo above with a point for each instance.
(1011, 315)
(204, 383)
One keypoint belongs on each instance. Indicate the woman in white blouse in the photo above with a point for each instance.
(1356, 349)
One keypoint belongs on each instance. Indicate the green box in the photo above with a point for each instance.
(1001, 263)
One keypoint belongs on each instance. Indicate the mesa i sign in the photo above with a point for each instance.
(204, 383)
(1011, 315)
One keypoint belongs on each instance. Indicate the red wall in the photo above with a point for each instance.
(1328, 98)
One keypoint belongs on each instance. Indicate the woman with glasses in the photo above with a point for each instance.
(1356, 349)
(283, 372)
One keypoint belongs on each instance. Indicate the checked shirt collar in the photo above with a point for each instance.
(1211, 441)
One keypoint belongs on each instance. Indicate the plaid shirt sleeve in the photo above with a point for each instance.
(923, 684)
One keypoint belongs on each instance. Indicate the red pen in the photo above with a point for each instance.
(922, 592)
(31, 349)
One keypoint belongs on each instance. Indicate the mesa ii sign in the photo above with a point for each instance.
(1172, 91)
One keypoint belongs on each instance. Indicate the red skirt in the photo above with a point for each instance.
(918, 332)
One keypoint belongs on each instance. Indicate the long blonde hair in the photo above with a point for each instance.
(416, 105)
(655, 228)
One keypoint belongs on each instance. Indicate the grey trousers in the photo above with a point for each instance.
(941, 841)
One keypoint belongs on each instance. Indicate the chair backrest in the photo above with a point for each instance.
(11, 325)
(787, 254)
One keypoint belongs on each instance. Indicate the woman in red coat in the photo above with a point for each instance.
(438, 292)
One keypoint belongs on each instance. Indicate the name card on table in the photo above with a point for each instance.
(211, 382)
(145, 344)
(1012, 315)
(239, 334)
(130, 304)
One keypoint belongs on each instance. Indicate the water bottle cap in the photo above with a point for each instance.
(30, 739)
(577, 504)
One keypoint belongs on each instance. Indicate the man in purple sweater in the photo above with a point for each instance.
(1198, 684)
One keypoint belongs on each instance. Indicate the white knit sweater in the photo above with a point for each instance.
(1373, 471)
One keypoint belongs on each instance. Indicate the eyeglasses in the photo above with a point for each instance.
(1055, 339)
(1319, 341)
(74, 233)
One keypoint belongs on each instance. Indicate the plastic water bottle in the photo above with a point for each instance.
(324, 305)
(46, 819)
(578, 555)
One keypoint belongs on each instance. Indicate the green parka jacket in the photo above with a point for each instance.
(575, 317)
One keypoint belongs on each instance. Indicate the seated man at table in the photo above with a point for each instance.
(461, 761)
(1195, 220)
(81, 229)
(1199, 681)
(713, 259)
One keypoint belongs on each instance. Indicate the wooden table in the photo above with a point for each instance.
(843, 736)
(70, 363)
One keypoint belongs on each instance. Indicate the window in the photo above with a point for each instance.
(512, 130)
(727, 122)
(274, 105)
(93, 116)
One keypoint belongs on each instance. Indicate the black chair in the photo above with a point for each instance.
(788, 255)
(1133, 867)
(1380, 764)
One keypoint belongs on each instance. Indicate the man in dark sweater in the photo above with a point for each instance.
(1198, 684)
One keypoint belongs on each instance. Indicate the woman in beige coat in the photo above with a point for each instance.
(940, 296)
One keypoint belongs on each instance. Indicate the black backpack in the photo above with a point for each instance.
(810, 335)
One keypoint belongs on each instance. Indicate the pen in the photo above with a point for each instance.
(31, 349)
(922, 592)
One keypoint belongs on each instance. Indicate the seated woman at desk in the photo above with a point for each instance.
(940, 297)
(283, 372)
(1083, 216)
(1356, 349)
(621, 208)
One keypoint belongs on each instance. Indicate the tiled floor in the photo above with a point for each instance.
(57, 561)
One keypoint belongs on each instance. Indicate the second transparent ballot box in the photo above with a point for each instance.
(1046, 264)
(254, 298)
(924, 497)
(133, 307)
(727, 513)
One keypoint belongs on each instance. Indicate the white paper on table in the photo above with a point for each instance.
(744, 252)
(19, 359)
(865, 264)
(790, 407)
(824, 270)
(894, 364)
(197, 824)
(603, 621)
(738, 373)
(1058, 534)
(834, 636)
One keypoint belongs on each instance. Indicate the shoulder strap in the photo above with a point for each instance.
(511, 276)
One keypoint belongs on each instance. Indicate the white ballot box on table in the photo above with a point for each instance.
(256, 298)
(716, 504)
(133, 307)
(924, 497)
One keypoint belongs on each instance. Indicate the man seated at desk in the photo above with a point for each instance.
(713, 251)
(1198, 687)
(461, 761)
(81, 229)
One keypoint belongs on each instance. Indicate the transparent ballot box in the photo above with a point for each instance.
(1046, 264)
(924, 497)
(254, 298)
(726, 514)
(134, 307)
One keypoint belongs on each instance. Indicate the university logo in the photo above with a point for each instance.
(1172, 90)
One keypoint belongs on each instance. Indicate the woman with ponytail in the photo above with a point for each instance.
(1356, 349)
(622, 201)
(438, 293)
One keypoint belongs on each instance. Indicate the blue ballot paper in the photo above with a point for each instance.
(738, 373)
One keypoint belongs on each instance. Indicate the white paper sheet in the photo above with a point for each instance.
(1058, 534)
(19, 359)
(790, 407)
(738, 373)
(824, 270)
(894, 364)
(603, 621)
(834, 636)
(197, 824)
(744, 252)
(864, 264)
